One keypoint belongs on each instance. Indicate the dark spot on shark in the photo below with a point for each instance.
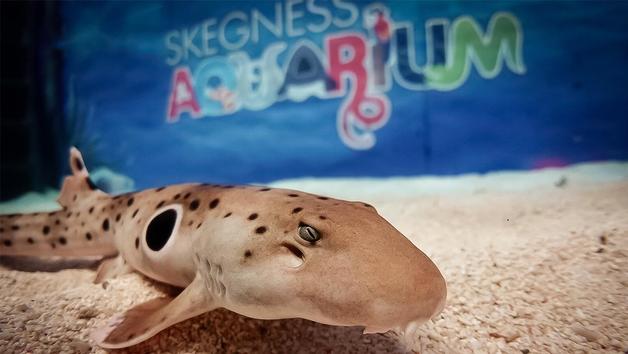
(91, 210)
(199, 225)
(160, 189)
(46, 230)
(57, 222)
(214, 203)
(177, 196)
(134, 213)
(293, 195)
(187, 195)
(53, 245)
(323, 198)
(260, 230)
(74, 198)
(322, 217)
(130, 201)
(8, 243)
(253, 216)
(118, 217)
(160, 229)
(78, 164)
(191, 222)
(1, 229)
(66, 228)
(62, 240)
(194, 205)
(228, 186)
(227, 215)
(248, 253)
(30, 240)
(264, 189)
(137, 242)
(161, 204)
(105, 225)
(78, 214)
(88, 236)
(90, 184)
(68, 214)
(15, 227)
(130, 336)
(368, 205)
(296, 210)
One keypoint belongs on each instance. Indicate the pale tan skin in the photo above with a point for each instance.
(238, 247)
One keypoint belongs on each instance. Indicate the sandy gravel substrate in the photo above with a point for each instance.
(528, 271)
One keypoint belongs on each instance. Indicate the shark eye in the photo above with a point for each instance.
(308, 233)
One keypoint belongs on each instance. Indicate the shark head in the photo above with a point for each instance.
(335, 262)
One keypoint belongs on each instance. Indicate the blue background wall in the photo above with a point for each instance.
(567, 105)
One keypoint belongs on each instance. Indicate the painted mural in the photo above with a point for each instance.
(257, 91)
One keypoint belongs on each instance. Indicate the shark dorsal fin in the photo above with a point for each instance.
(78, 185)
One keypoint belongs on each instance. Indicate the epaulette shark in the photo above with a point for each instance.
(265, 253)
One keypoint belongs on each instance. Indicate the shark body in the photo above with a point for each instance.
(261, 252)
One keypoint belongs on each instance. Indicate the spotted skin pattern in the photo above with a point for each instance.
(262, 252)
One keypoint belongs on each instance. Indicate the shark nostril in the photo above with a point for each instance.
(294, 249)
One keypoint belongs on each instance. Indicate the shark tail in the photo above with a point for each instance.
(73, 230)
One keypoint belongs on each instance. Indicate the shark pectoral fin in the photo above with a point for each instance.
(111, 268)
(147, 319)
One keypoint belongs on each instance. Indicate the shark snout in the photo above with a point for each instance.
(409, 290)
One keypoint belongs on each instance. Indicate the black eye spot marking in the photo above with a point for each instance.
(247, 254)
(160, 189)
(261, 230)
(135, 213)
(88, 236)
(296, 210)
(105, 225)
(227, 215)
(8, 243)
(130, 201)
(160, 229)
(66, 228)
(78, 214)
(264, 189)
(214, 203)
(74, 198)
(187, 195)
(137, 242)
(57, 222)
(368, 205)
(323, 198)
(53, 245)
(15, 227)
(90, 183)
(78, 164)
(177, 196)
(194, 205)
(191, 222)
(1, 229)
(293, 195)
(199, 225)
(118, 217)
(160, 204)
(46, 230)
(130, 336)
(62, 240)
(253, 216)
(91, 210)
(30, 240)
(322, 217)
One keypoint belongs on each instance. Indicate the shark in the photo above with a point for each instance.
(265, 253)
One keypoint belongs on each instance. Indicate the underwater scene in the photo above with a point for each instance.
(304, 176)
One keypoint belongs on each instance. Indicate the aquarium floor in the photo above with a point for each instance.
(539, 271)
